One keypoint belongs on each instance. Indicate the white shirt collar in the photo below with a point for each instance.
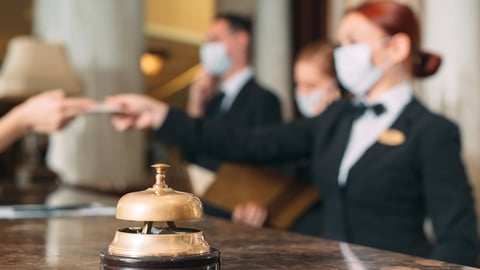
(396, 98)
(232, 86)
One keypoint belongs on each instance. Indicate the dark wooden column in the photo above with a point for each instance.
(309, 22)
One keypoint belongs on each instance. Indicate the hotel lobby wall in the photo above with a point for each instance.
(182, 21)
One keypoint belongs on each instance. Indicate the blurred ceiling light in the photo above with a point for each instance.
(151, 64)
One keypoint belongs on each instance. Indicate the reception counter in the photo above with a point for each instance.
(74, 238)
(75, 243)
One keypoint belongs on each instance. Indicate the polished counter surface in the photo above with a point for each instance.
(75, 243)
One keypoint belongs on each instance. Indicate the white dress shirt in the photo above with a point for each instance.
(368, 127)
(232, 86)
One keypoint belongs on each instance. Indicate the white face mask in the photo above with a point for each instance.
(307, 103)
(355, 70)
(214, 58)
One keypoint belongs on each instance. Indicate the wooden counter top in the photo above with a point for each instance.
(75, 243)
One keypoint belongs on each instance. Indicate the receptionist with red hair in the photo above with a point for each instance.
(382, 161)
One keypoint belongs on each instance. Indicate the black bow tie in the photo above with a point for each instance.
(360, 108)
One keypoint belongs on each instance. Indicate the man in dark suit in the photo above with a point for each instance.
(227, 90)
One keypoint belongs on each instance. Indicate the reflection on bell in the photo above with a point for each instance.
(159, 243)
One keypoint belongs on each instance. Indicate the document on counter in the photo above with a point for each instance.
(46, 211)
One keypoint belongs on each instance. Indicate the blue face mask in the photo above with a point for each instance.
(355, 70)
(214, 58)
(309, 102)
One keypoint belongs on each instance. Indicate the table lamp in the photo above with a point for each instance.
(32, 65)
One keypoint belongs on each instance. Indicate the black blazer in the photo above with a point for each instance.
(389, 191)
(254, 106)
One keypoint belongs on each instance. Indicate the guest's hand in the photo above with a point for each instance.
(251, 213)
(137, 112)
(50, 111)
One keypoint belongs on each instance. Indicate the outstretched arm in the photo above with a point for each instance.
(252, 145)
(44, 113)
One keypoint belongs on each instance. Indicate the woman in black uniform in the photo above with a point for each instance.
(382, 161)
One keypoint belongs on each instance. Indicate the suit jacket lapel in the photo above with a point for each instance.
(240, 99)
(377, 150)
(331, 141)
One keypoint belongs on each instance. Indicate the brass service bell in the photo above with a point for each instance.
(159, 243)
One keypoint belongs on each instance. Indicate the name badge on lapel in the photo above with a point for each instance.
(392, 137)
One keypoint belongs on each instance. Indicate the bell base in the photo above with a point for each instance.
(207, 261)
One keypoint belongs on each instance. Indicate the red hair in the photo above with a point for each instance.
(321, 53)
(396, 18)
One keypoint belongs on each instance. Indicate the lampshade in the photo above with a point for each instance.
(32, 65)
